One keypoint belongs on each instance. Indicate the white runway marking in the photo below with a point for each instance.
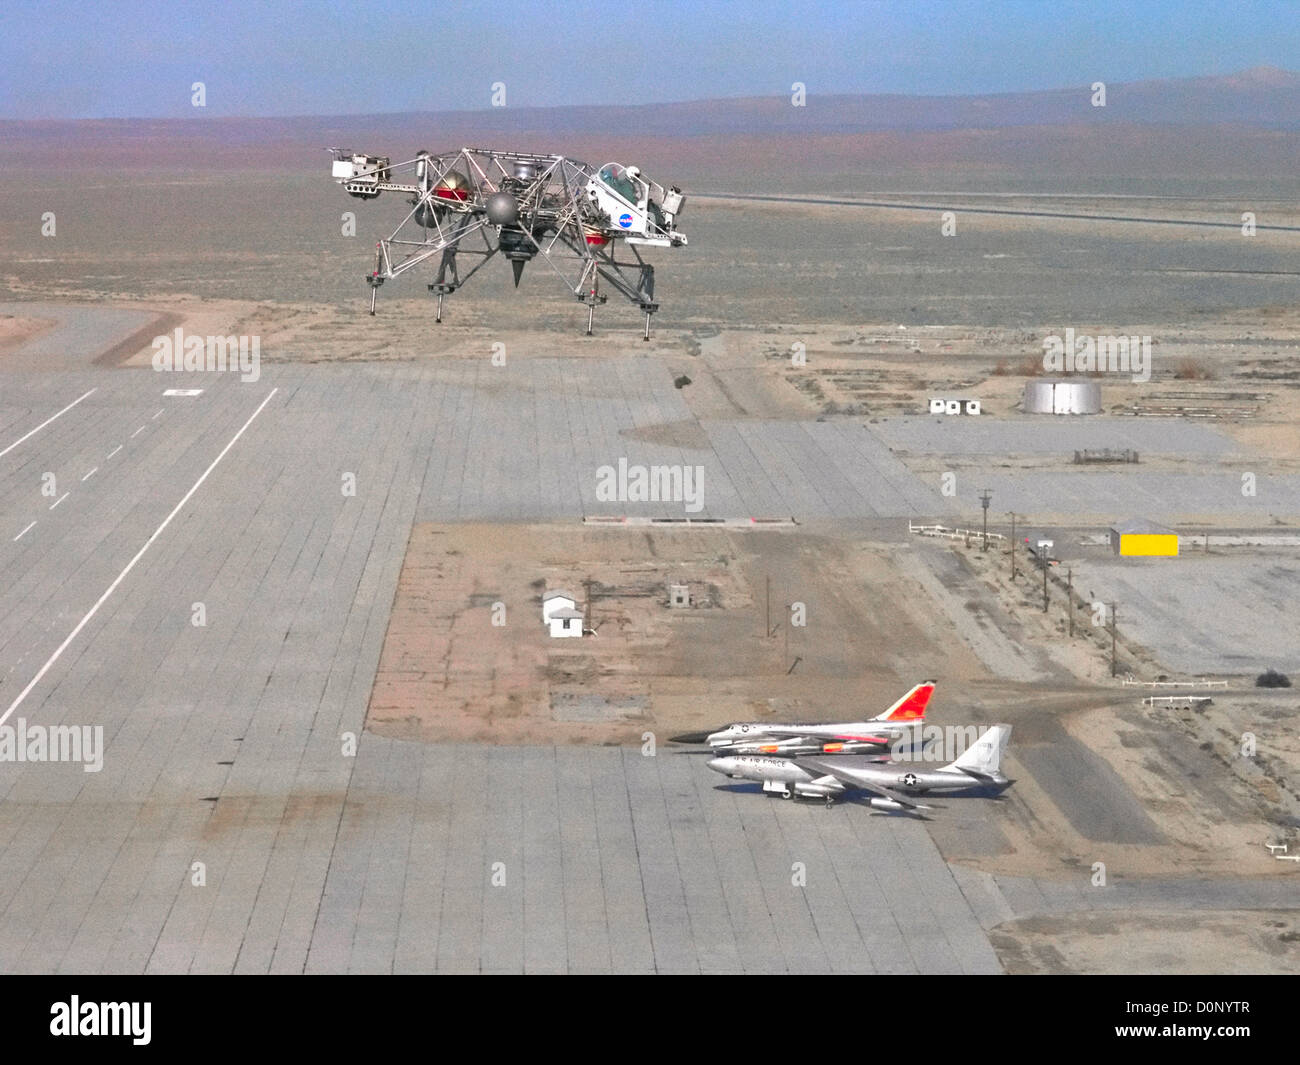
(91, 474)
(45, 423)
(137, 432)
(24, 532)
(113, 452)
(131, 565)
(156, 415)
(59, 500)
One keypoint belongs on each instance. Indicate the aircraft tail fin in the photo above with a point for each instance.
(911, 707)
(983, 758)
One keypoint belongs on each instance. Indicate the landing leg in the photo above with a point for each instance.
(374, 278)
(588, 292)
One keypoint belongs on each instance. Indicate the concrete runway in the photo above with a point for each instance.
(225, 741)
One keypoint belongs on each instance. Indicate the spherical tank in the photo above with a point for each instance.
(502, 209)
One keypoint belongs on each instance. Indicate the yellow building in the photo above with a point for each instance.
(1143, 538)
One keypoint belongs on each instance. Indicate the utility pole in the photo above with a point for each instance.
(985, 497)
(1069, 598)
(767, 611)
(1013, 544)
(787, 633)
(1114, 662)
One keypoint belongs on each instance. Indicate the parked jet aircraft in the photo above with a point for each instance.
(891, 784)
(853, 737)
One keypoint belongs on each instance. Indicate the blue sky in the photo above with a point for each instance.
(128, 58)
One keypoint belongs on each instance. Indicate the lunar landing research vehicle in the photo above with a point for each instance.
(478, 203)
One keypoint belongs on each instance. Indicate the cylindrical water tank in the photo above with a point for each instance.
(1054, 395)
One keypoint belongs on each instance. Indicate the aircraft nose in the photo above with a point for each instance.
(720, 765)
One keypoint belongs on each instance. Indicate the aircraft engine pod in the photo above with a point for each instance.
(515, 244)
(502, 209)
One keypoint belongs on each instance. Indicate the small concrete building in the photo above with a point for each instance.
(1138, 537)
(679, 595)
(560, 613)
(566, 622)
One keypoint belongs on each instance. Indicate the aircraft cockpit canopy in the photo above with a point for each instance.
(625, 182)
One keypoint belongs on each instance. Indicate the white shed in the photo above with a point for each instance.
(566, 622)
(560, 613)
(558, 599)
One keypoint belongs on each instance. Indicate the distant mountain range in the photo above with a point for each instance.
(1261, 98)
(1247, 122)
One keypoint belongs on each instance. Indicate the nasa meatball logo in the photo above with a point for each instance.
(625, 220)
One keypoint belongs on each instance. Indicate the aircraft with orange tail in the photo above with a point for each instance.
(851, 737)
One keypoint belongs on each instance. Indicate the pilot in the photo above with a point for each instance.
(621, 181)
(638, 186)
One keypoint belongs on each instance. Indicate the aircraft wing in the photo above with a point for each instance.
(847, 776)
(797, 733)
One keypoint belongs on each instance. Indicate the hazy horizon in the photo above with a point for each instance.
(1286, 78)
(281, 59)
